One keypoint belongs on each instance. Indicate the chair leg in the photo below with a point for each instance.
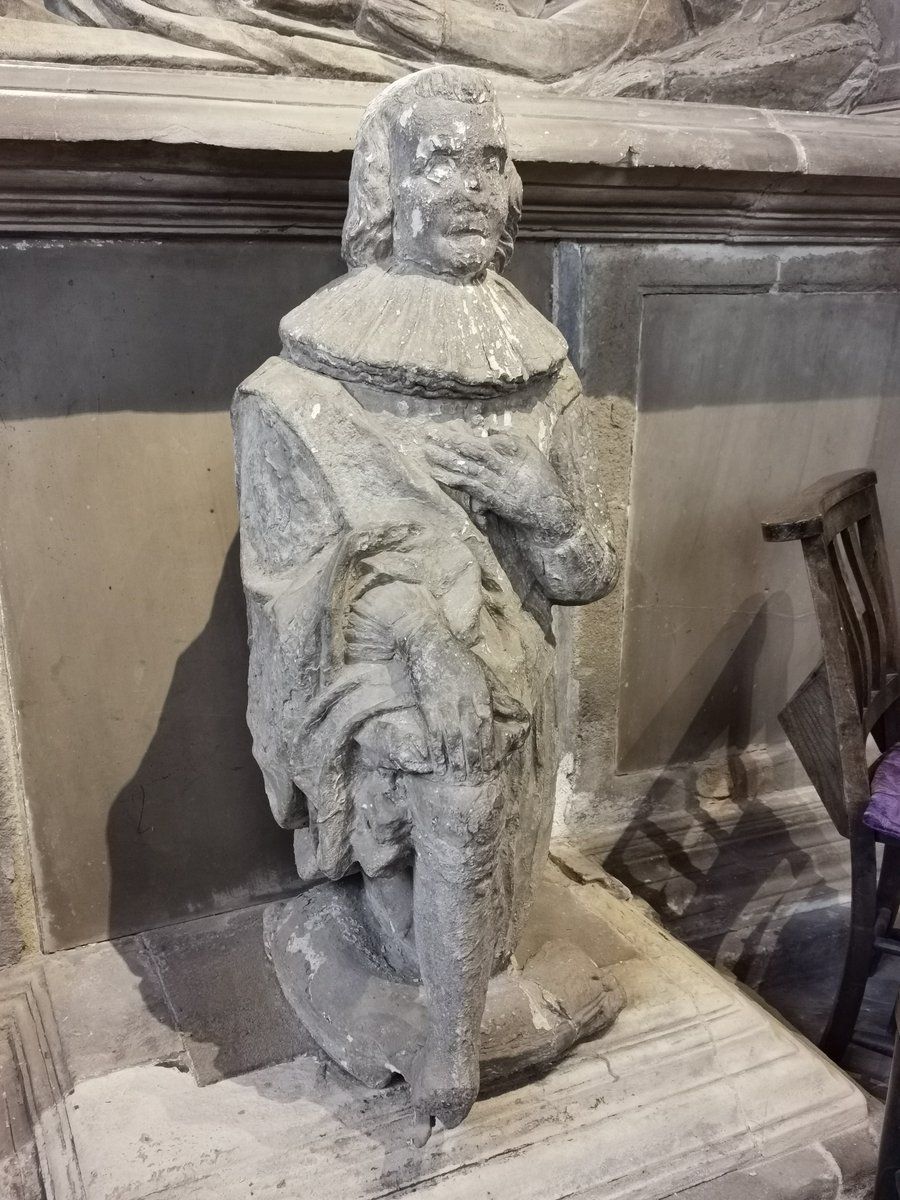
(887, 1174)
(863, 911)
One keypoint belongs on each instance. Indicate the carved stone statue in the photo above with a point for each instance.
(814, 54)
(415, 495)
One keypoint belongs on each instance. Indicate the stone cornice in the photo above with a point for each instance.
(62, 103)
(97, 189)
(90, 152)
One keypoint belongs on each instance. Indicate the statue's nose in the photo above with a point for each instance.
(473, 183)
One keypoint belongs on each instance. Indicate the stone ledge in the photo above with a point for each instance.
(695, 1083)
(147, 188)
(63, 103)
(37, 1153)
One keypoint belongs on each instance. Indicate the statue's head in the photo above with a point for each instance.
(432, 185)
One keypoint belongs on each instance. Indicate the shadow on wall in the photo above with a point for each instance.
(201, 749)
(207, 979)
(718, 864)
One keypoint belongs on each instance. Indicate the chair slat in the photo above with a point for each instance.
(871, 540)
(872, 616)
(850, 628)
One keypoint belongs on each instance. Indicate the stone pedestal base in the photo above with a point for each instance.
(695, 1086)
(330, 969)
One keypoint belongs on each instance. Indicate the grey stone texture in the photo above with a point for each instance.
(18, 925)
(826, 316)
(48, 103)
(38, 1160)
(139, 604)
(885, 87)
(694, 1084)
(790, 54)
(126, 616)
(223, 997)
(718, 657)
(111, 1009)
(416, 492)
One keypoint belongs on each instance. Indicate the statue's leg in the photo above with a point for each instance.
(389, 910)
(456, 830)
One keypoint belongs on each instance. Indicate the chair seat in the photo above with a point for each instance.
(883, 810)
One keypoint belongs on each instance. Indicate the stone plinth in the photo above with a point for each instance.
(695, 1086)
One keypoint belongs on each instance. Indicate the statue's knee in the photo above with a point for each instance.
(461, 814)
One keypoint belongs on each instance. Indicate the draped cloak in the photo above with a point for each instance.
(336, 501)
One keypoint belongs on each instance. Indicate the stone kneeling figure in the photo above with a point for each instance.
(416, 492)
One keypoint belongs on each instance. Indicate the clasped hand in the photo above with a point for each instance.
(506, 474)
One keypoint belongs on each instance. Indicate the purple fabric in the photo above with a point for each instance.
(883, 811)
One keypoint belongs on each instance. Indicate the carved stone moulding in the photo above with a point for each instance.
(37, 1152)
(89, 151)
(96, 188)
(41, 102)
(792, 54)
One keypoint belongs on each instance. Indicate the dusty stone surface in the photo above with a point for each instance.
(791, 54)
(373, 1024)
(37, 1155)
(416, 492)
(111, 1009)
(694, 1085)
(223, 996)
(18, 925)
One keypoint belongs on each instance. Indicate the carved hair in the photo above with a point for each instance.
(368, 227)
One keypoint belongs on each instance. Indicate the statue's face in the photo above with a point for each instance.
(450, 191)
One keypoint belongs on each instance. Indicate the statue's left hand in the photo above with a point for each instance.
(507, 474)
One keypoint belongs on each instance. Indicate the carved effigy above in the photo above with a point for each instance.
(417, 490)
(803, 54)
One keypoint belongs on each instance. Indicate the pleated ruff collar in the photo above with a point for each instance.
(423, 335)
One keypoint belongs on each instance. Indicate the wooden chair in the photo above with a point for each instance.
(853, 692)
(887, 1172)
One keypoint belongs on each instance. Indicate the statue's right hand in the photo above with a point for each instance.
(455, 703)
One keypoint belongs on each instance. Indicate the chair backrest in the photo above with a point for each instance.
(856, 688)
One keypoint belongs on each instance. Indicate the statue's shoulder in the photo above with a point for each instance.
(561, 392)
(294, 391)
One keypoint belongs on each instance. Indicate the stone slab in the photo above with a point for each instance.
(134, 104)
(694, 1083)
(760, 887)
(224, 996)
(713, 655)
(37, 1154)
(111, 1009)
(810, 1174)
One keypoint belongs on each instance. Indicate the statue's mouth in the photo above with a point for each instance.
(464, 231)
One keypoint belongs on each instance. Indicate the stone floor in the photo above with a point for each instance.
(168, 1065)
(760, 889)
(166, 1084)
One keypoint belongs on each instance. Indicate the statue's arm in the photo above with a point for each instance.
(553, 503)
(576, 36)
(574, 562)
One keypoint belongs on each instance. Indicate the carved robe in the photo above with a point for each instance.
(345, 506)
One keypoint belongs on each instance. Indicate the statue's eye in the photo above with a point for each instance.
(439, 165)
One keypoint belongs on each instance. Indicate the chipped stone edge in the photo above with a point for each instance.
(57, 103)
(27, 1020)
(17, 904)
